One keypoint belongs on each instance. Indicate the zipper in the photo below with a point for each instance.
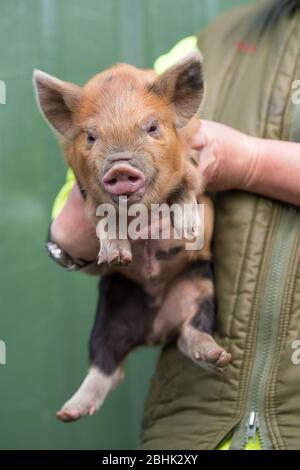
(253, 422)
(252, 426)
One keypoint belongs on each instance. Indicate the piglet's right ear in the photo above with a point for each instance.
(58, 102)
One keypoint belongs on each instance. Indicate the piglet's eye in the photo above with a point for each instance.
(153, 129)
(91, 137)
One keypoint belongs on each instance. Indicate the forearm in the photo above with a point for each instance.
(275, 172)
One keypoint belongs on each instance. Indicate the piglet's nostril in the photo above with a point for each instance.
(133, 178)
(124, 177)
(112, 181)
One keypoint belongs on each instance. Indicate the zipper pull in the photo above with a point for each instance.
(252, 425)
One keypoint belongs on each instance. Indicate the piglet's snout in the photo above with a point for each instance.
(123, 179)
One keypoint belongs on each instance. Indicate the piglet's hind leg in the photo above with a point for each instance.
(123, 321)
(196, 340)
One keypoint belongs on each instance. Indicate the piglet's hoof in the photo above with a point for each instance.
(115, 253)
(68, 415)
(213, 359)
(203, 350)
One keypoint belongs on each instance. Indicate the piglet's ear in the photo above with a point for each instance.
(183, 85)
(59, 102)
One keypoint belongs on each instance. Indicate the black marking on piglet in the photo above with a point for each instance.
(124, 317)
(201, 269)
(170, 254)
(205, 318)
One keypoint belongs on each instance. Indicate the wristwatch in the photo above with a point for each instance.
(62, 258)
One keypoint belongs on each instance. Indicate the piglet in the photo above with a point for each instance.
(127, 136)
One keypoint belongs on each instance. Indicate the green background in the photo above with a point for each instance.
(46, 314)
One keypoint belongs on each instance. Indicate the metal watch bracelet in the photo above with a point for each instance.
(62, 258)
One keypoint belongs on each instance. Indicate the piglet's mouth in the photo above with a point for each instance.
(124, 180)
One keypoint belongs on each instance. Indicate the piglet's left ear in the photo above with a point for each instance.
(183, 86)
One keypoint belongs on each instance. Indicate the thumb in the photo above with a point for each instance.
(200, 140)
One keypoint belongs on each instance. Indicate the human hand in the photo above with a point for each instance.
(73, 230)
(227, 156)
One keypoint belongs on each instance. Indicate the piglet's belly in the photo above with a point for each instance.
(155, 264)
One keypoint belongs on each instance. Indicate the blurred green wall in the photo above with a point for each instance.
(46, 314)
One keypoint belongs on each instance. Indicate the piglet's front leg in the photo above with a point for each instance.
(186, 218)
(112, 251)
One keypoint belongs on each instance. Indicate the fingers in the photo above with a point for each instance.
(206, 143)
